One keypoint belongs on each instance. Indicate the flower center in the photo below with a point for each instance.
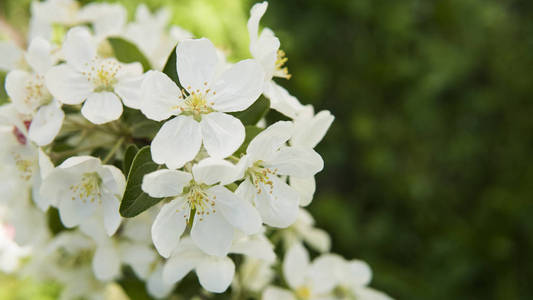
(197, 201)
(196, 103)
(303, 292)
(89, 188)
(102, 74)
(24, 166)
(36, 92)
(261, 176)
(280, 70)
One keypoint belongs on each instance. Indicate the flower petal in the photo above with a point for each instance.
(101, 108)
(140, 257)
(156, 286)
(15, 85)
(296, 161)
(295, 265)
(79, 47)
(130, 92)
(196, 63)
(275, 293)
(159, 96)
(238, 212)
(213, 170)
(277, 203)
(177, 266)
(11, 56)
(168, 226)
(106, 262)
(177, 142)
(281, 100)
(222, 134)
(309, 133)
(305, 186)
(238, 87)
(212, 233)
(68, 85)
(46, 124)
(39, 55)
(269, 140)
(165, 183)
(112, 219)
(256, 13)
(215, 274)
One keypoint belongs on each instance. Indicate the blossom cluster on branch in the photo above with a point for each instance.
(137, 146)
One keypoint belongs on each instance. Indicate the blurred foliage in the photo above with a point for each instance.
(427, 175)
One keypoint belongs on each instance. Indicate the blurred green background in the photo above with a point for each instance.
(427, 173)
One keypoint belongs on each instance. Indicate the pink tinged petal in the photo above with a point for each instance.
(277, 203)
(46, 124)
(263, 146)
(309, 133)
(222, 134)
(275, 293)
(165, 183)
(238, 212)
(296, 265)
(102, 108)
(106, 262)
(159, 96)
(296, 161)
(79, 47)
(177, 142)
(39, 55)
(215, 274)
(212, 233)
(15, 85)
(68, 85)
(169, 225)
(305, 186)
(196, 63)
(237, 88)
(112, 219)
(213, 170)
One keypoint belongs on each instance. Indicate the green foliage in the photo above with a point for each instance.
(255, 112)
(129, 155)
(135, 201)
(127, 52)
(251, 132)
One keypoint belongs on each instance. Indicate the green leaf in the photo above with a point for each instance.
(255, 112)
(251, 132)
(170, 68)
(127, 52)
(135, 201)
(146, 129)
(129, 155)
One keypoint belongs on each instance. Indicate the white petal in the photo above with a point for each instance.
(237, 88)
(178, 266)
(15, 85)
(277, 204)
(11, 56)
(212, 233)
(39, 55)
(281, 100)
(215, 274)
(256, 246)
(46, 124)
(196, 63)
(213, 170)
(112, 219)
(139, 257)
(45, 164)
(318, 239)
(177, 142)
(156, 286)
(269, 140)
(323, 273)
(79, 47)
(256, 13)
(68, 85)
(106, 262)
(222, 134)
(309, 133)
(357, 272)
(295, 265)
(101, 108)
(159, 96)
(129, 91)
(74, 212)
(238, 212)
(168, 226)
(246, 190)
(367, 293)
(305, 186)
(275, 293)
(114, 180)
(165, 183)
(296, 161)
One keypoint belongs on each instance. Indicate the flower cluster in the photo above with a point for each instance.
(136, 149)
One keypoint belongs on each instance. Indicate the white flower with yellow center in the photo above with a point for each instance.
(267, 159)
(30, 95)
(201, 108)
(100, 82)
(202, 199)
(265, 48)
(82, 187)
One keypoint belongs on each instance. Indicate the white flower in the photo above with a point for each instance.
(215, 209)
(101, 83)
(303, 230)
(267, 158)
(12, 56)
(82, 187)
(10, 252)
(265, 47)
(202, 116)
(30, 96)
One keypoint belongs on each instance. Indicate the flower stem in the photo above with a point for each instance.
(113, 150)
